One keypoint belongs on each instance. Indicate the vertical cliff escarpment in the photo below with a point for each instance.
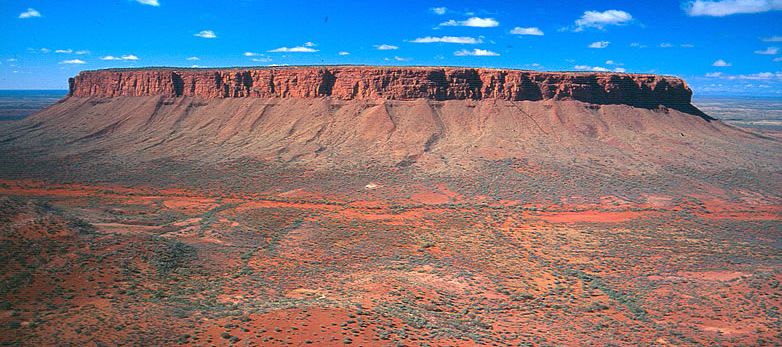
(395, 83)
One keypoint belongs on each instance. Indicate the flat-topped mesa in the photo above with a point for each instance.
(397, 83)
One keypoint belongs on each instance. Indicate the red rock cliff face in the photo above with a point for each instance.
(399, 83)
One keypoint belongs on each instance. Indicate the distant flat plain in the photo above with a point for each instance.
(762, 113)
(17, 104)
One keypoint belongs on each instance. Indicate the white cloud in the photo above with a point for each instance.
(476, 22)
(207, 34)
(534, 31)
(769, 51)
(126, 57)
(30, 13)
(721, 8)
(599, 44)
(600, 20)
(297, 49)
(610, 62)
(476, 52)
(597, 68)
(82, 52)
(262, 59)
(448, 39)
(45, 50)
(760, 76)
(671, 45)
(149, 2)
(721, 63)
(309, 44)
(385, 47)
(73, 61)
(251, 54)
(590, 68)
(344, 53)
(397, 58)
(439, 10)
(64, 51)
(772, 39)
(193, 58)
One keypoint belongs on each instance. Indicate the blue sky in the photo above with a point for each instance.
(721, 47)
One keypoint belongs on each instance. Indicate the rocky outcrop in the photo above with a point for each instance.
(398, 83)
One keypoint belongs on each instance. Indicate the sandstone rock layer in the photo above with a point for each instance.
(396, 83)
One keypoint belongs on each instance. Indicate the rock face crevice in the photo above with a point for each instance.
(395, 83)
